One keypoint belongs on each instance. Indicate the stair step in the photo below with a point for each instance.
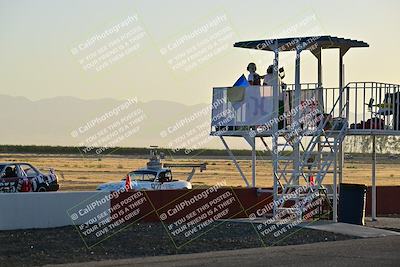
(298, 196)
(285, 163)
(296, 211)
(316, 171)
(284, 144)
(280, 158)
(305, 173)
(331, 146)
(292, 185)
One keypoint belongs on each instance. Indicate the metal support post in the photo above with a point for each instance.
(275, 125)
(373, 212)
(234, 161)
(296, 145)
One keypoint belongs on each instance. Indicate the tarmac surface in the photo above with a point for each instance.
(351, 229)
(380, 228)
(391, 223)
(382, 251)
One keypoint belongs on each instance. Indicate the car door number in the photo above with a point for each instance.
(156, 186)
(8, 187)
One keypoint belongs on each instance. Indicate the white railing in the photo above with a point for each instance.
(242, 109)
(371, 106)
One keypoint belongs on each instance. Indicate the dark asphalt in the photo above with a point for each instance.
(384, 251)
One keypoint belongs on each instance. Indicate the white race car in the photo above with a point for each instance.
(148, 179)
(156, 176)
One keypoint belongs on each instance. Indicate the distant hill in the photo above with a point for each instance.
(128, 151)
(51, 121)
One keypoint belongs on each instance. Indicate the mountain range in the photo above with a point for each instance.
(53, 121)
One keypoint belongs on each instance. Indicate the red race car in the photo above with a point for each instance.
(23, 177)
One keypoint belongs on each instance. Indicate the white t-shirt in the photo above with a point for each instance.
(269, 80)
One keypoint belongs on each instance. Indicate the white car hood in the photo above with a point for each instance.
(116, 186)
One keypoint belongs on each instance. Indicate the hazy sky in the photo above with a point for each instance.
(49, 48)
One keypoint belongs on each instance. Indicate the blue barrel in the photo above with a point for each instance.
(352, 203)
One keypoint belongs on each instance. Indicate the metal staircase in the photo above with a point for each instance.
(293, 170)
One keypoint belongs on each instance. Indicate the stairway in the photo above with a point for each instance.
(293, 195)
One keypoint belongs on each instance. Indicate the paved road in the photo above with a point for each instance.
(384, 222)
(384, 251)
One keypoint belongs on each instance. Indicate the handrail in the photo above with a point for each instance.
(374, 82)
(311, 145)
(356, 96)
(322, 125)
(380, 105)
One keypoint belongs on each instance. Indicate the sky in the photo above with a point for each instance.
(178, 50)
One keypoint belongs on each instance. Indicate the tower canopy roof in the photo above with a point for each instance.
(302, 43)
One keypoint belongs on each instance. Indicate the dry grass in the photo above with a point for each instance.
(86, 173)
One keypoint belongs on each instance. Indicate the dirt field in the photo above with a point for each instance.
(85, 173)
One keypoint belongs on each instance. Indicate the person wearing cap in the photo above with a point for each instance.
(253, 78)
(269, 80)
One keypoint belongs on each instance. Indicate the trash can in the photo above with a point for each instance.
(352, 203)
